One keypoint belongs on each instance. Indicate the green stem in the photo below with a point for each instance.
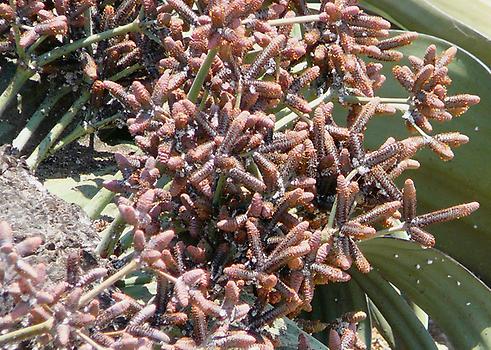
(20, 77)
(253, 168)
(81, 130)
(54, 54)
(22, 74)
(100, 201)
(391, 230)
(166, 276)
(152, 36)
(286, 120)
(37, 118)
(91, 294)
(112, 233)
(292, 20)
(27, 332)
(41, 151)
(110, 236)
(407, 116)
(88, 28)
(38, 42)
(125, 241)
(19, 49)
(238, 99)
(203, 100)
(382, 325)
(45, 326)
(21, 52)
(126, 72)
(332, 214)
(400, 103)
(201, 76)
(217, 196)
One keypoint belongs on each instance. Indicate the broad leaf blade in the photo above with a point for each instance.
(78, 189)
(448, 292)
(404, 323)
(333, 300)
(289, 340)
(381, 324)
(465, 23)
(442, 184)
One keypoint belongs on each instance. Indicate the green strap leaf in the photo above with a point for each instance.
(458, 301)
(381, 324)
(333, 300)
(462, 22)
(289, 340)
(79, 189)
(439, 184)
(405, 325)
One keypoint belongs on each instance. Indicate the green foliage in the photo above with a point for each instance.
(464, 23)
(437, 280)
(441, 184)
(334, 300)
(447, 291)
(407, 329)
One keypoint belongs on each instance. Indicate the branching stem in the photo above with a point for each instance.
(20, 77)
(101, 199)
(37, 118)
(201, 76)
(387, 231)
(26, 332)
(127, 269)
(294, 20)
(399, 103)
(21, 52)
(82, 130)
(23, 74)
(218, 191)
(41, 151)
(281, 124)
(38, 42)
(364, 99)
(166, 276)
(109, 236)
(54, 54)
(45, 326)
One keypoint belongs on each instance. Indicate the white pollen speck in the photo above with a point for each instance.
(449, 276)
(475, 226)
(396, 256)
(417, 281)
(476, 128)
(458, 283)
(418, 266)
(468, 303)
(430, 261)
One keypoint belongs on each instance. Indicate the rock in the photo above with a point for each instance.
(32, 211)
